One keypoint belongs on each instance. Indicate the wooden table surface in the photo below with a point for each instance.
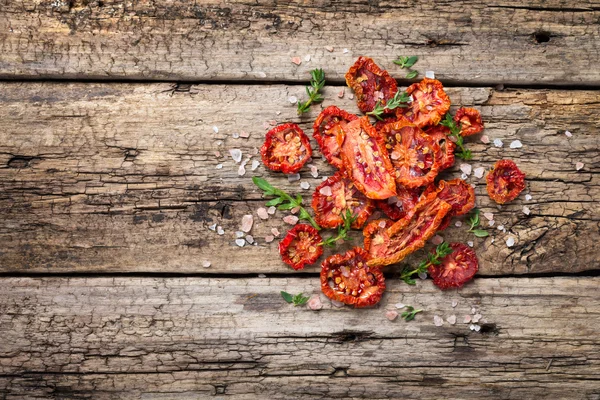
(109, 184)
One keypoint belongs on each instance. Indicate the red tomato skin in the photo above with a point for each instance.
(456, 269)
(469, 120)
(326, 135)
(505, 181)
(370, 84)
(277, 138)
(430, 103)
(312, 251)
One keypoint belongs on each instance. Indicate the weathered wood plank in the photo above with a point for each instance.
(549, 42)
(103, 177)
(163, 338)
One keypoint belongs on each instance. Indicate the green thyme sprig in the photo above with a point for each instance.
(297, 300)
(398, 101)
(316, 83)
(448, 122)
(407, 62)
(284, 201)
(441, 251)
(343, 229)
(410, 313)
(474, 223)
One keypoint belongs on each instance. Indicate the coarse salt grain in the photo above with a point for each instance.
(290, 219)
(314, 171)
(526, 210)
(458, 224)
(307, 58)
(295, 210)
(247, 221)
(296, 60)
(271, 210)
(516, 144)
(293, 99)
(351, 96)
(478, 172)
(255, 165)
(491, 223)
(219, 166)
(474, 327)
(463, 176)
(244, 134)
(220, 230)
(500, 227)
(325, 191)
(510, 242)
(568, 134)
(345, 51)
(476, 318)
(454, 303)
(314, 303)
(466, 168)
(437, 239)
(262, 213)
(498, 143)
(269, 238)
(275, 231)
(451, 319)
(423, 275)
(215, 129)
(262, 276)
(272, 122)
(391, 314)
(212, 227)
(341, 93)
(242, 170)
(429, 74)
(485, 139)
(578, 166)
(249, 239)
(219, 143)
(470, 243)
(240, 242)
(236, 154)
(437, 320)
(399, 305)
(381, 224)
(329, 48)
(293, 177)
(235, 135)
(206, 264)
(488, 215)
(528, 197)
(467, 319)
(217, 154)
(305, 185)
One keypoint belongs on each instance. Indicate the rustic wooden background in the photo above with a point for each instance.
(108, 186)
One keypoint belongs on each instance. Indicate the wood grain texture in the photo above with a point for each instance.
(123, 178)
(479, 42)
(143, 338)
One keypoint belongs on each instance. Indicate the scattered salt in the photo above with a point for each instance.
(458, 224)
(206, 264)
(463, 176)
(391, 314)
(381, 224)
(295, 210)
(219, 166)
(261, 74)
(240, 242)
(235, 135)
(329, 48)
(451, 319)
(293, 177)
(510, 242)
(307, 58)
(437, 320)
(242, 170)
(500, 227)
(271, 210)
(437, 239)
(467, 319)
(474, 327)
(493, 240)
(293, 99)
(345, 51)
(212, 227)
(578, 166)
(454, 303)
(526, 210)
(491, 223)
(498, 143)
(429, 75)
(478, 172)
(341, 93)
(219, 143)
(272, 122)
(516, 144)
(217, 153)
(296, 60)
(255, 165)
(249, 239)
(314, 171)
(239, 234)
(528, 197)
(423, 275)
(244, 134)
(290, 219)
(476, 318)
(247, 221)
(269, 238)
(488, 215)
(470, 243)
(325, 191)
(351, 96)
(314, 303)
(262, 213)
(215, 129)
(485, 139)
(262, 276)
(236, 154)
(568, 134)
(305, 185)
(220, 230)
(399, 305)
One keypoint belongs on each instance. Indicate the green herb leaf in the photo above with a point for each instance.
(287, 297)
(412, 74)
(461, 152)
(343, 229)
(441, 251)
(263, 184)
(480, 233)
(316, 83)
(406, 62)
(474, 222)
(398, 101)
(410, 313)
(274, 202)
(299, 300)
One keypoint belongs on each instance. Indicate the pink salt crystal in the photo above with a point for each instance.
(381, 224)
(296, 60)
(488, 215)
(295, 210)
(458, 224)
(485, 139)
(437, 239)
(395, 155)
(466, 168)
(467, 319)
(244, 134)
(437, 320)
(206, 264)
(269, 238)
(314, 171)
(247, 221)
(314, 303)
(262, 213)
(271, 210)
(478, 172)
(325, 191)
(451, 319)
(568, 134)
(242, 170)
(236, 155)
(272, 122)
(290, 219)
(476, 318)
(341, 93)
(329, 48)
(391, 314)
(351, 96)
(255, 151)
(217, 154)
(275, 231)
(578, 166)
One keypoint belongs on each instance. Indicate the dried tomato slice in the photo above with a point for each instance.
(366, 160)
(348, 279)
(300, 246)
(379, 124)
(388, 243)
(330, 204)
(459, 194)
(429, 103)
(328, 125)
(286, 148)
(370, 84)
(412, 153)
(398, 206)
(505, 181)
(469, 120)
(456, 269)
(440, 133)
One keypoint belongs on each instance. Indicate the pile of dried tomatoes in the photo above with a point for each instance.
(391, 165)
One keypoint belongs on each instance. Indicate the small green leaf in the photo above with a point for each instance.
(274, 202)
(412, 74)
(263, 184)
(287, 206)
(411, 61)
(480, 233)
(287, 297)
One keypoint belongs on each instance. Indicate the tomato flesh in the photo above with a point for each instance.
(459, 194)
(429, 103)
(286, 149)
(328, 126)
(370, 84)
(347, 278)
(398, 206)
(300, 246)
(440, 134)
(456, 269)
(469, 120)
(366, 160)
(505, 181)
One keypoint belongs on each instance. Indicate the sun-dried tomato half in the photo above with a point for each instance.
(440, 133)
(429, 103)
(398, 206)
(456, 269)
(459, 194)
(286, 148)
(389, 243)
(370, 84)
(332, 198)
(379, 124)
(505, 181)
(469, 120)
(413, 153)
(366, 160)
(300, 246)
(347, 278)
(327, 129)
